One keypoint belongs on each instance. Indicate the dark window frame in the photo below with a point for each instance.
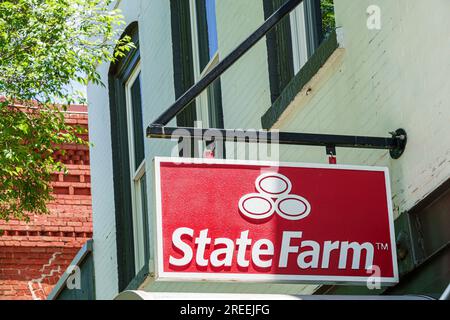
(215, 108)
(183, 60)
(183, 65)
(119, 74)
(279, 43)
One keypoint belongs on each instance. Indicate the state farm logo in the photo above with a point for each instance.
(274, 196)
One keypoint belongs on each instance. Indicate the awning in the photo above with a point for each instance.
(143, 295)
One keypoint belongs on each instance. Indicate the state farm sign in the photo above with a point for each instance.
(251, 221)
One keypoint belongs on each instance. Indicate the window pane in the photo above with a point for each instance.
(212, 27)
(183, 61)
(138, 129)
(140, 223)
(145, 217)
(279, 51)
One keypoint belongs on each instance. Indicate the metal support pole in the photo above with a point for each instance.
(396, 144)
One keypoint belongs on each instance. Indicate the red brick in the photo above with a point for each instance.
(29, 246)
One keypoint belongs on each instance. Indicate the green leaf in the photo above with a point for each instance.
(45, 46)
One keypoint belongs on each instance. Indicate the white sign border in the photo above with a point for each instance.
(161, 275)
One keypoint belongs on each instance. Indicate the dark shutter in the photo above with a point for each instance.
(202, 31)
(183, 61)
(279, 50)
(183, 65)
(138, 127)
(279, 43)
(215, 110)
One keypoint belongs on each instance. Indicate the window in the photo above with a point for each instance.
(206, 55)
(130, 194)
(195, 50)
(298, 35)
(137, 166)
(205, 10)
(291, 42)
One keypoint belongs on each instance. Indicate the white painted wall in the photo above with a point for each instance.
(104, 223)
(395, 77)
(105, 254)
(158, 91)
(245, 86)
(158, 94)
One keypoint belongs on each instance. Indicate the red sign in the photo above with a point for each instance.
(251, 221)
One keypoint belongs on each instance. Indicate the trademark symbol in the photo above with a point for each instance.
(382, 246)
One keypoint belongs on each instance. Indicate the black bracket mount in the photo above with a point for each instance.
(396, 144)
(331, 151)
(401, 137)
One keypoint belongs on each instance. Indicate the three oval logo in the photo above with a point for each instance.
(274, 196)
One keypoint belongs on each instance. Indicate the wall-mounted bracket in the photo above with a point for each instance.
(331, 151)
(396, 144)
(401, 137)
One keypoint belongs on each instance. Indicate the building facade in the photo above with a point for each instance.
(34, 255)
(379, 66)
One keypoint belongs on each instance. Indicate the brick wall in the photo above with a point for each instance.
(34, 255)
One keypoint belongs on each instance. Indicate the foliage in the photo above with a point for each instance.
(328, 22)
(45, 46)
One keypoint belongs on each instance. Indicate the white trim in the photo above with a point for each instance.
(159, 265)
(299, 37)
(138, 227)
(391, 224)
(139, 172)
(136, 175)
(258, 278)
(267, 163)
(176, 276)
(211, 64)
(145, 295)
(129, 106)
(194, 37)
(202, 99)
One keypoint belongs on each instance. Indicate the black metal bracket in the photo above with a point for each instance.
(396, 143)
(401, 138)
(331, 151)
